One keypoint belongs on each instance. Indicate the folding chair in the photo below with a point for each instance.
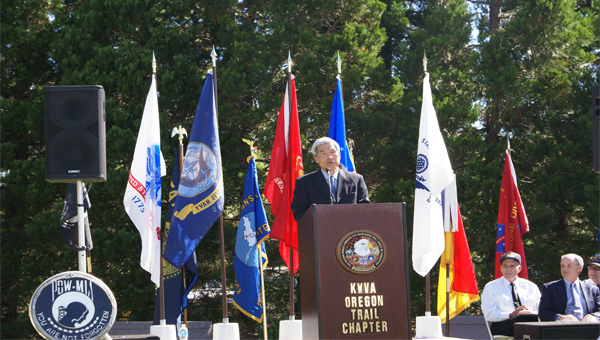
(496, 337)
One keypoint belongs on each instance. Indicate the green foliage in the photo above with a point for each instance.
(528, 81)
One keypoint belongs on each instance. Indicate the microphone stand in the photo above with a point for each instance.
(329, 182)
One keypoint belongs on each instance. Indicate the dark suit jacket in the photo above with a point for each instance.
(553, 302)
(314, 189)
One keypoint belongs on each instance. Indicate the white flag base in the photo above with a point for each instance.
(290, 330)
(226, 331)
(429, 327)
(164, 331)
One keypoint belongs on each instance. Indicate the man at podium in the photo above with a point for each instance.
(329, 185)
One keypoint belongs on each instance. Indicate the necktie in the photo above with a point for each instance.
(516, 300)
(333, 186)
(577, 309)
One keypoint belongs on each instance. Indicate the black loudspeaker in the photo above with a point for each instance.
(75, 133)
(596, 118)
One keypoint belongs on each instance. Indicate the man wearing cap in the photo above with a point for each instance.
(510, 298)
(570, 299)
(594, 271)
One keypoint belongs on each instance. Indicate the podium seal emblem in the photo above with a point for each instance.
(360, 252)
(72, 306)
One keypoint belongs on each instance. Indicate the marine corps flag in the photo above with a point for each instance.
(512, 219)
(143, 192)
(285, 166)
(250, 251)
(463, 284)
(200, 195)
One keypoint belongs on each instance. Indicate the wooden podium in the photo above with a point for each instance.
(354, 272)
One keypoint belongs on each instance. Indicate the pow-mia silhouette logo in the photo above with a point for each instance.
(199, 170)
(360, 252)
(72, 306)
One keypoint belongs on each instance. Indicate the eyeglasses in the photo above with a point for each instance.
(594, 268)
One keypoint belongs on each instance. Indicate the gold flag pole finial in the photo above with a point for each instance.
(252, 149)
(289, 63)
(424, 61)
(339, 63)
(179, 131)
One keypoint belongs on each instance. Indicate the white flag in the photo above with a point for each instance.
(434, 174)
(143, 193)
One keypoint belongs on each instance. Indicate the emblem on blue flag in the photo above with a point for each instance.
(250, 252)
(199, 170)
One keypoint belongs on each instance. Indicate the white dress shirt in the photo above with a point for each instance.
(497, 302)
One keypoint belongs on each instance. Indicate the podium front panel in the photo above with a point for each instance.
(354, 272)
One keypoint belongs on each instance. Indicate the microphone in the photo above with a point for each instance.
(329, 182)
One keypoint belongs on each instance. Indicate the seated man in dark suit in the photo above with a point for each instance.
(346, 187)
(570, 299)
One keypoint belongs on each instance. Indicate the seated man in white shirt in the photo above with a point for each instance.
(501, 306)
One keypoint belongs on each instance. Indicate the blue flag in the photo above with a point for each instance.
(200, 194)
(175, 290)
(252, 231)
(337, 128)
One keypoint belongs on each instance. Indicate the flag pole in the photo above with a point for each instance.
(81, 229)
(427, 277)
(180, 132)
(213, 55)
(161, 289)
(446, 250)
(289, 76)
(262, 288)
(260, 264)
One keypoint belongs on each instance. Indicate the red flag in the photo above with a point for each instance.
(285, 167)
(463, 284)
(512, 219)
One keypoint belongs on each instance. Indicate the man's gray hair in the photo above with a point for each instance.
(324, 140)
(578, 259)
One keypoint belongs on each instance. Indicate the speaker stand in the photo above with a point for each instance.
(80, 229)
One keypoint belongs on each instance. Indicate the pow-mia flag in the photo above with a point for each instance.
(69, 221)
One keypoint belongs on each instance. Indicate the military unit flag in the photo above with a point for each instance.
(462, 281)
(434, 174)
(512, 219)
(337, 127)
(285, 166)
(143, 192)
(175, 289)
(250, 251)
(200, 194)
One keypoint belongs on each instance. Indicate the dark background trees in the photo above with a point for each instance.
(500, 70)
